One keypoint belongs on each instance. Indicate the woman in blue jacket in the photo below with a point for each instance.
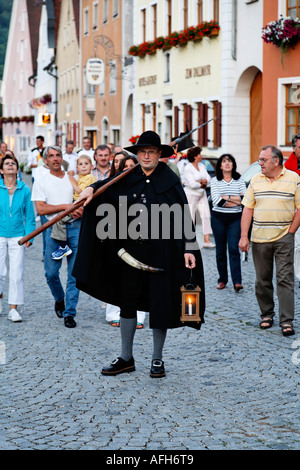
(17, 219)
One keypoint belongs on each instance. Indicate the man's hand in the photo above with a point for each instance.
(77, 213)
(190, 260)
(87, 194)
(244, 244)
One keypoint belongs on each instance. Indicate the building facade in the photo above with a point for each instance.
(199, 61)
(68, 71)
(102, 69)
(45, 100)
(281, 82)
(19, 74)
(178, 83)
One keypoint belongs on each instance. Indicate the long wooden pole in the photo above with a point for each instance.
(75, 206)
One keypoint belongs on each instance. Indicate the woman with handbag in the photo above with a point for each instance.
(195, 181)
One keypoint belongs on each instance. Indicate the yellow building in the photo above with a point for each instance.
(178, 54)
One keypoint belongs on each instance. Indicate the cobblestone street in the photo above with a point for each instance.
(231, 386)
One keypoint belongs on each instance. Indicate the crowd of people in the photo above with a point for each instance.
(267, 213)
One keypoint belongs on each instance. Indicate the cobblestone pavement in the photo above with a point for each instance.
(231, 386)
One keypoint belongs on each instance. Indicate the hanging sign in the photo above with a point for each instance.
(95, 71)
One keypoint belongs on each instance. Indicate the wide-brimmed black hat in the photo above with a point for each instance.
(151, 139)
(186, 142)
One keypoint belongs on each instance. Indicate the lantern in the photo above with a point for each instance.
(190, 303)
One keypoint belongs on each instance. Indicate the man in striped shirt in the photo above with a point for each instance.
(272, 200)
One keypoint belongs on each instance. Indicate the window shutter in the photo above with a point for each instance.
(176, 115)
(202, 117)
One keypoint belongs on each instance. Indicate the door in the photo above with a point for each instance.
(256, 118)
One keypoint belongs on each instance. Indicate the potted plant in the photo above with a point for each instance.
(283, 33)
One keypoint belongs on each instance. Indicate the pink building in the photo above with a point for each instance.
(19, 77)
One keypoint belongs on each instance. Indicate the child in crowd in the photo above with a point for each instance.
(84, 179)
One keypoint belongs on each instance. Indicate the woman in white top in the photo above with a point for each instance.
(227, 189)
(195, 181)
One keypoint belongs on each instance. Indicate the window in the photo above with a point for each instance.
(143, 116)
(167, 68)
(216, 10)
(105, 131)
(143, 24)
(21, 80)
(153, 106)
(217, 110)
(292, 113)
(105, 11)
(113, 76)
(185, 13)
(293, 8)
(199, 11)
(86, 21)
(201, 118)
(21, 50)
(95, 15)
(154, 19)
(169, 17)
(115, 8)
(116, 136)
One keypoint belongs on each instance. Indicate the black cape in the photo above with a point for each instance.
(98, 269)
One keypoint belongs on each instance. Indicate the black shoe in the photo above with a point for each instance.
(118, 366)
(59, 308)
(70, 322)
(157, 368)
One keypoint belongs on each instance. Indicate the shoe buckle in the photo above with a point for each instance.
(157, 363)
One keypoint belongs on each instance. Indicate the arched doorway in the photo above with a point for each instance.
(256, 117)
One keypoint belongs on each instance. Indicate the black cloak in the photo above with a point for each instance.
(98, 268)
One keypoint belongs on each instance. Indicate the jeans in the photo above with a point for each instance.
(52, 268)
(227, 232)
(43, 221)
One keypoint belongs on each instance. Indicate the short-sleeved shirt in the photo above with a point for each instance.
(274, 205)
(52, 190)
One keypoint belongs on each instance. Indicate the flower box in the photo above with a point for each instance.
(176, 39)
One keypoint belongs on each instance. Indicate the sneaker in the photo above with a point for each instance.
(14, 315)
(208, 245)
(61, 252)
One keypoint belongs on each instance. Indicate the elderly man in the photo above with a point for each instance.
(273, 201)
(53, 193)
(103, 274)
